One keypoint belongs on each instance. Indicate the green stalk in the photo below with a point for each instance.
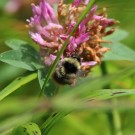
(113, 115)
(65, 44)
(116, 119)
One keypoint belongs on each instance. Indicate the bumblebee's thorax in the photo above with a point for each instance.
(70, 67)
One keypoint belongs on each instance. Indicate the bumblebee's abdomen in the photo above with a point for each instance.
(67, 79)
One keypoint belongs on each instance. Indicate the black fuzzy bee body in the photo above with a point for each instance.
(66, 71)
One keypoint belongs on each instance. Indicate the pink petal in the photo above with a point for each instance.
(53, 26)
(82, 28)
(72, 45)
(86, 2)
(82, 38)
(37, 38)
(63, 36)
(49, 59)
(48, 12)
(76, 3)
(91, 14)
(89, 63)
(36, 10)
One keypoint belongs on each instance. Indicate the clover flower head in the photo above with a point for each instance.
(50, 30)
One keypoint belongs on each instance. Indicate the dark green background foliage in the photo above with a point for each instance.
(101, 104)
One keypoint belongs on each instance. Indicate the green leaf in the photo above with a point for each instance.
(15, 44)
(18, 59)
(117, 36)
(42, 73)
(24, 57)
(119, 52)
(89, 6)
(27, 129)
(20, 81)
(51, 87)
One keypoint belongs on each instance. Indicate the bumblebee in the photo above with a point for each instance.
(67, 70)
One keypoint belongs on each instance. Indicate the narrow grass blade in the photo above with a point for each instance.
(77, 103)
(110, 93)
(49, 123)
(16, 84)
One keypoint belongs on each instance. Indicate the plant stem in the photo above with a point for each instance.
(116, 119)
(113, 115)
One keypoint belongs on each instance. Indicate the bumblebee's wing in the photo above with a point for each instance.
(82, 73)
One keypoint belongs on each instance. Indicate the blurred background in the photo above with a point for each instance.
(16, 108)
